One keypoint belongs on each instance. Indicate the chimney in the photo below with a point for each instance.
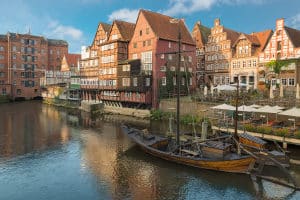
(279, 24)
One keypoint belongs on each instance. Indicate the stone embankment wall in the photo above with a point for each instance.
(187, 107)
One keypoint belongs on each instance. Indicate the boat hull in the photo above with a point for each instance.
(234, 165)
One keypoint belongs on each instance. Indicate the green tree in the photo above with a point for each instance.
(277, 65)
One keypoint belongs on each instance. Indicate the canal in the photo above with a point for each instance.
(52, 153)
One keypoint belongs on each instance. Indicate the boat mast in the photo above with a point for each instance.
(236, 108)
(178, 85)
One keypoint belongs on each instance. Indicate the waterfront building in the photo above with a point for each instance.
(200, 34)
(218, 54)
(244, 62)
(113, 52)
(89, 64)
(24, 58)
(155, 43)
(284, 45)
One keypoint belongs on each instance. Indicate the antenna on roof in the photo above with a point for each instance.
(29, 31)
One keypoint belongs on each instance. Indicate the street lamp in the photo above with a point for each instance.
(177, 21)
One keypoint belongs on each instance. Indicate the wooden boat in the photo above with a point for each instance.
(212, 155)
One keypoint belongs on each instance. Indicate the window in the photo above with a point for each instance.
(126, 81)
(1, 48)
(1, 65)
(283, 81)
(169, 45)
(134, 56)
(135, 81)
(14, 56)
(149, 42)
(51, 52)
(19, 91)
(174, 80)
(3, 91)
(278, 45)
(169, 56)
(146, 58)
(190, 58)
(182, 81)
(147, 81)
(135, 45)
(162, 56)
(141, 32)
(162, 68)
(114, 37)
(1, 57)
(144, 43)
(291, 81)
(147, 31)
(191, 81)
(172, 68)
(164, 81)
(14, 48)
(126, 68)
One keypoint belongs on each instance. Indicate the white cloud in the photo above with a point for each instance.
(294, 21)
(18, 16)
(124, 14)
(190, 6)
(62, 31)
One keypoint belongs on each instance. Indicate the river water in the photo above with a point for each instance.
(51, 153)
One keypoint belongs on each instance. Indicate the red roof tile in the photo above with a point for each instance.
(126, 29)
(72, 59)
(294, 36)
(164, 29)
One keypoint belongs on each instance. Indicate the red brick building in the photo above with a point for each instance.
(155, 44)
(24, 58)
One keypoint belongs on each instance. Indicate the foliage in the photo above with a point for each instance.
(250, 127)
(189, 119)
(281, 132)
(159, 115)
(264, 129)
(297, 134)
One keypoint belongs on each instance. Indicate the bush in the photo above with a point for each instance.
(250, 127)
(264, 129)
(156, 114)
(297, 134)
(281, 132)
(189, 119)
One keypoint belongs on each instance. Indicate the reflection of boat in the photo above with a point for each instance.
(212, 154)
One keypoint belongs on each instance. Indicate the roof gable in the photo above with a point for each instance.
(200, 34)
(125, 29)
(101, 33)
(294, 36)
(164, 29)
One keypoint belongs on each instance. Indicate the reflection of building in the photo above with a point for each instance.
(283, 45)
(244, 62)
(200, 34)
(218, 53)
(24, 58)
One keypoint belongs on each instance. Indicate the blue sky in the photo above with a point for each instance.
(76, 20)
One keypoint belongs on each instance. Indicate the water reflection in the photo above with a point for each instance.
(69, 155)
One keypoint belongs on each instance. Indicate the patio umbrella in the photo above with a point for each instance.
(281, 91)
(226, 88)
(271, 93)
(224, 107)
(255, 106)
(205, 91)
(293, 112)
(246, 108)
(297, 91)
(278, 107)
(268, 109)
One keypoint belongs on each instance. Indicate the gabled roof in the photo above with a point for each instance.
(263, 38)
(204, 33)
(164, 29)
(72, 59)
(231, 35)
(126, 29)
(294, 36)
(104, 26)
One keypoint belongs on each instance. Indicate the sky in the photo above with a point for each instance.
(76, 21)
